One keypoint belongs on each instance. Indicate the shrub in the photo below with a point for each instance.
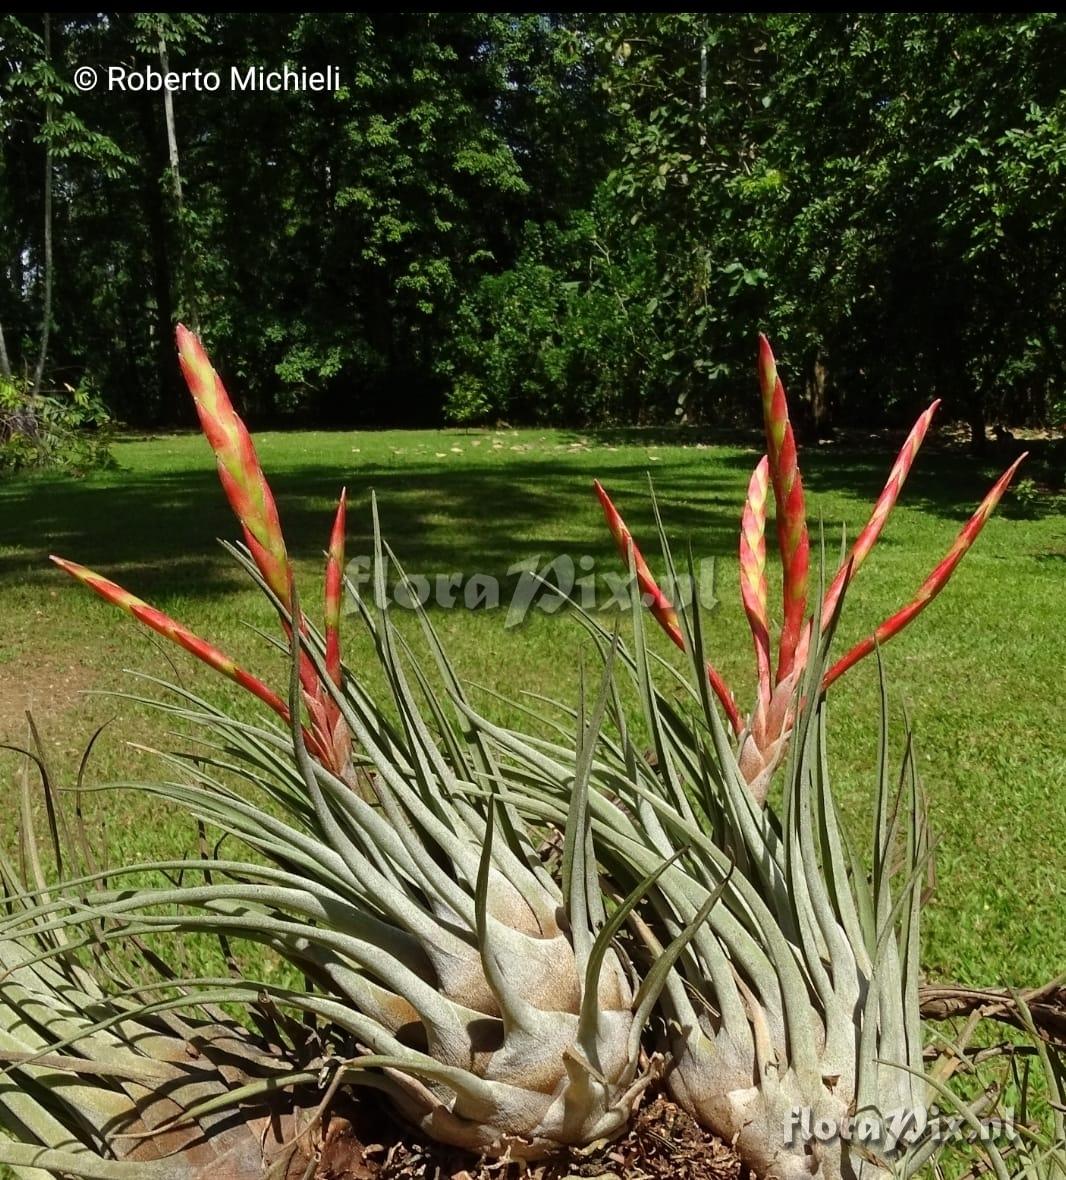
(554, 340)
(67, 430)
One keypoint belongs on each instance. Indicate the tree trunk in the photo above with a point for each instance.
(5, 363)
(817, 395)
(175, 179)
(46, 314)
(1058, 368)
(172, 404)
(978, 424)
(172, 138)
(703, 93)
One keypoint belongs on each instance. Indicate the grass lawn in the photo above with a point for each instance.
(980, 672)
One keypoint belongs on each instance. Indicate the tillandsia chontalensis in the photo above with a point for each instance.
(794, 1006)
(96, 1084)
(490, 1003)
(442, 962)
(762, 738)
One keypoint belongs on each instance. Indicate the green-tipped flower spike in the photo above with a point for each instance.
(865, 541)
(242, 478)
(327, 737)
(660, 606)
(753, 586)
(253, 502)
(320, 703)
(334, 591)
(170, 629)
(933, 584)
(792, 537)
(762, 744)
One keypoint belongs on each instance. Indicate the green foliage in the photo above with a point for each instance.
(878, 191)
(36, 84)
(67, 430)
(360, 217)
(555, 340)
(551, 217)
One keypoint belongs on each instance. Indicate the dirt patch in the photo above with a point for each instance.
(49, 689)
(367, 1143)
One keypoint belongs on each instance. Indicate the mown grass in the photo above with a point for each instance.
(979, 672)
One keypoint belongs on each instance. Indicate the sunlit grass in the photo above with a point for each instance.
(979, 673)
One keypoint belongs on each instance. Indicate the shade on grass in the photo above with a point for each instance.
(978, 671)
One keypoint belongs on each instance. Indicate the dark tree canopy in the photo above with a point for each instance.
(543, 217)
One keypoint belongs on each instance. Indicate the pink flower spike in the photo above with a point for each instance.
(661, 607)
(881, 512)
(792, 537)
(169, 628)
(933, 584)
(334, 590)
(753, 585)
(241, 476)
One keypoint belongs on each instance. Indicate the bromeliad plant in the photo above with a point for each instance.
(762, 738)
(100, 1086)
(795, 1004)
(489, 1003)
(389, 863)
(444, 965)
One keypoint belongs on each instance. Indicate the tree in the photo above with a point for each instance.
(878, 191)
(41, 118)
